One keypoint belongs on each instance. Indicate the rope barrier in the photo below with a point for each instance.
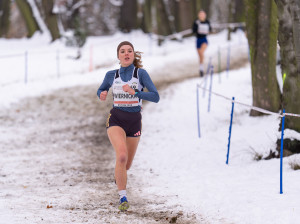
(179, 35)
(227, 25)
(293, 115)
(12, 55)
(249, 106)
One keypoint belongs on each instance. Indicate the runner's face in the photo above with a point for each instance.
(202, 16)
(126, 55)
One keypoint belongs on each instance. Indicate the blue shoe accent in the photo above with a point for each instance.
(123, 204)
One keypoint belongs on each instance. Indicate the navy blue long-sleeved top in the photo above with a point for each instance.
(126, 75)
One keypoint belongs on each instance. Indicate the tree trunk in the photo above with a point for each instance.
(201, 5)
(239, 11)
(139, 14)
(183, 14)
(205, 5)
(287, 42)
(288, 39)
(262, 30)
(27, 13)
(295, 6)
(163, 25)
(231, 7)
(4, 17)
(147, 17)
(128, 15)
(50, 19)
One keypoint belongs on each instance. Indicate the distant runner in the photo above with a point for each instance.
(201, 28)
(124, 123)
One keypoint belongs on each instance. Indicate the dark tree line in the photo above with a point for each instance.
(94, 17)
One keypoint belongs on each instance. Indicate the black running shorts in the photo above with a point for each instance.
(131, 122)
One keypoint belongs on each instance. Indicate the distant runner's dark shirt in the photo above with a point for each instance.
(201, 29)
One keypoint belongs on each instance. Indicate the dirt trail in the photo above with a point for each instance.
(57, 154)
(59, 163)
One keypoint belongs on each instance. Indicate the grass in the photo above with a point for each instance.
(256, 156)
(295, 166)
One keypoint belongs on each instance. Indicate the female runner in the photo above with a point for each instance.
(201, 28)
(124, 125)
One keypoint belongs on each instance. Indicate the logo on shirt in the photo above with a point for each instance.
(134, 85)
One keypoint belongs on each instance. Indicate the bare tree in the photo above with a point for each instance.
(27, 14)
(146, 24)
(4, 16)
(289, 41)
(262, 29)
(128, 15)
(50, 18)
(295, 5)
(185, 14)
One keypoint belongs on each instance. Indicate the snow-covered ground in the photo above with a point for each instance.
(246, 190)
(174, 171)
(52, 66)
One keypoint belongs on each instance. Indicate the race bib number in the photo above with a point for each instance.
(123, 99)
(203, 28)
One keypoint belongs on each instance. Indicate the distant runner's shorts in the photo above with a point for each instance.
(131, 122)
(201, 41)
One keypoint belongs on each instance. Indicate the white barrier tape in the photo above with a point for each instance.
(226, 25)
(189, 31)
(293, 115)
(258, 109)
(177, 36)
(12, 55)
(251, 107)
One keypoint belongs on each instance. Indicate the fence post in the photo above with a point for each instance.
(150, 43)
(205, 77)
(228, 59)
(210, 87)
(91, 59)
(57, 63)
(198, 112)
(230, 127)
(281, 149)
(204, 87)
(208, 66)
(219, 59)
(219, 63)
(26, 67)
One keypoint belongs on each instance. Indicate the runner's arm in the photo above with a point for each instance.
(106, 84)
(152, 94)
(195, 27)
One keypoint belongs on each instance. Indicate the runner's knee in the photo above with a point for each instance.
(122, 158)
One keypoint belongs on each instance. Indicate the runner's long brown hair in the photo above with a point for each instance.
(137, 62)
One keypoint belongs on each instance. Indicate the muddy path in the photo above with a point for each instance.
(57, 164)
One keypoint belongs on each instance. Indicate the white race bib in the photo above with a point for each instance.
(123, 99)
(203, 28)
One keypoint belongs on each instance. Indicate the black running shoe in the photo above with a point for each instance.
(201, 73)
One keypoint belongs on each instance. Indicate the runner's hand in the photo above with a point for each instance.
(127, 89)
(103, 95)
